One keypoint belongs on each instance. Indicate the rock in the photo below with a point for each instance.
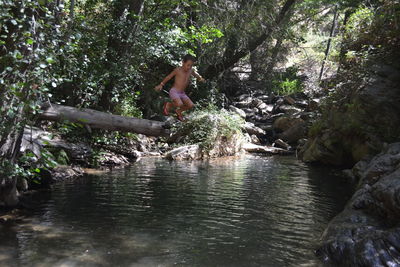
(269, 108)
(256, 110)
(278, 103)
(307, 115)
(313, 104)
(266, 127)
(248, 110)
(280, 143)
(289, 100)
(151, 154)
(366, 233)
(238, 111)
(264, 98)
(264, 118)
(8, 193)
(223, 147)
(256, 103)
(137, 154)
(276, 116)
(362, 117)
(113, 159)
(301, 104)
(192, 152)
(296, 131)
(34, 139)
(243, 97)
(245, 103)
(287, 109)
(252, 148)
(62, 173)
(325, 149)
(302, 141)
(252, 129)
(22, 184)
(255, 140)
(284, 123)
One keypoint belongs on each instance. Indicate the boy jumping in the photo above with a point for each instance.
(180, 100)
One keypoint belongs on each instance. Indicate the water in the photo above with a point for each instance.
(254, 211)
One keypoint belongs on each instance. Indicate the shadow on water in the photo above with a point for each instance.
(253, 211)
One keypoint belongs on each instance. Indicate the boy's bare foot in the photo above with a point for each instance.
(179, 114)
(165, 109)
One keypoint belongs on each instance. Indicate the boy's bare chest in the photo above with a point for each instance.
(183, 76)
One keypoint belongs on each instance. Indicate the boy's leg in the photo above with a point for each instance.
(175, 101)
(178, 108)
(187, 104)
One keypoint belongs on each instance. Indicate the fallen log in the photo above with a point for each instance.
(102, 120)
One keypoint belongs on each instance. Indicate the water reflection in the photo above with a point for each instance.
(252, 211)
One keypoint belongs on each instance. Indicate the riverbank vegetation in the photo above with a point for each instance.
(109, 55)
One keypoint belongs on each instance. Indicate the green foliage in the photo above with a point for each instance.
(128, 106)
(208, 125)
(30, 166)
(97, 157)
(287, 83)
(31, 41)
(372, 33)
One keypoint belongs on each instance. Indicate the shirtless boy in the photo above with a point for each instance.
(180, 100)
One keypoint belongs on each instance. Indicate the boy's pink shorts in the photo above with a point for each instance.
(175, 94)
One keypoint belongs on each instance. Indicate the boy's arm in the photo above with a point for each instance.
(198, 77)
(166, 79)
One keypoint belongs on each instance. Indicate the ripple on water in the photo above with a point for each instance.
(252, 211)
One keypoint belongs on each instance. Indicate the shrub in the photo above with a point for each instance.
(205, 127)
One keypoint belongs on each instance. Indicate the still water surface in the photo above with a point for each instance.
(253, 211)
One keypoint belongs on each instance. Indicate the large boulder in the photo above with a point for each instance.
(326, 149)
(284, 123)
(359, 119)
(295, 132)
(367, 232)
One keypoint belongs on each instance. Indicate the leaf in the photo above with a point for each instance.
(30, 41)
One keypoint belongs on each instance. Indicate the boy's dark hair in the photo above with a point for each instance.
(188, 57)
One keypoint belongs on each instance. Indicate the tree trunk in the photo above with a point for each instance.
(343, 49)
(102, 120)
(274, 56)
(9, 150)
(231, 60)
(71, 9)
(329, 42)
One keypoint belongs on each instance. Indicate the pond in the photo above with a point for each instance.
(251, 211)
